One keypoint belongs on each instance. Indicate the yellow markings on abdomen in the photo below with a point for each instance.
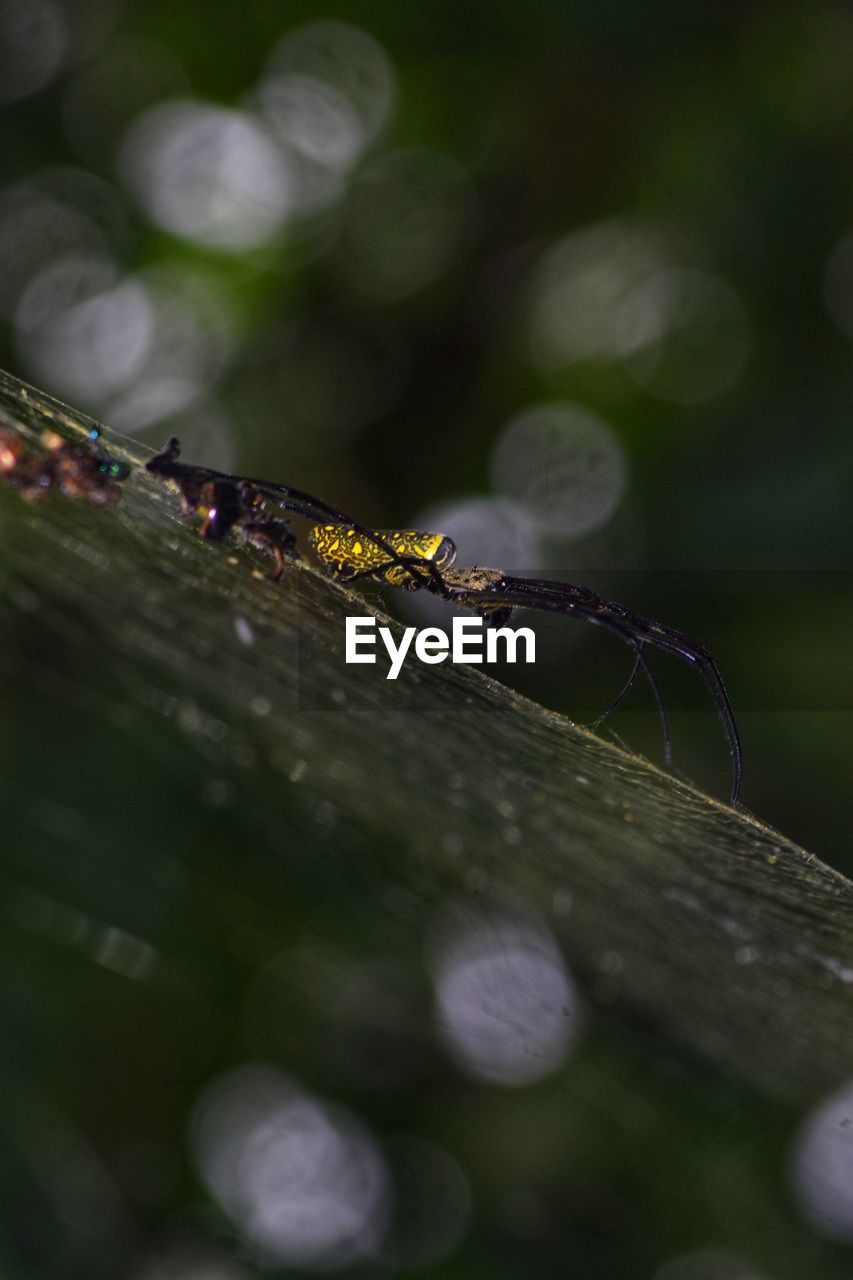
(348, 552)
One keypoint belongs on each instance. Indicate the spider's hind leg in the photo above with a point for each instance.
(622, 694)
(641, 664)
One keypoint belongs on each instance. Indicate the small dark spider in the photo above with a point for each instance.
(72, 468)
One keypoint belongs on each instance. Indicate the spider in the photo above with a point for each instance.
(494, 595)
(73, 468)
(416, 560)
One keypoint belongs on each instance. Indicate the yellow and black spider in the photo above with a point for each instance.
(414, 560)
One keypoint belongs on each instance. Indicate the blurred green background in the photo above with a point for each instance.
(573, 283)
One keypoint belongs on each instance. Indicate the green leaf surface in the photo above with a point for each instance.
(223, 704)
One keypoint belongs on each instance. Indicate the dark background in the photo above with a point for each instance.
(574, 283)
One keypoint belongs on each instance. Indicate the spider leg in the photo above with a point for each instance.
(622, 694)
(563, 597)
(481, 586)
(697, 655)
(640, 664)
(642, 661)
(423, 571)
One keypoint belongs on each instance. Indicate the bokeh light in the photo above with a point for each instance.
(506, 1006)
(564, 465)
(313, 119)
(82, 329)
(629, 294)
(192, 340)
(209, 174)
(318, 132)
(822, 1166)
(352, 66)
(487, 531)
(696, 332)
(580, 293)
(325, 94)
(302, 1179)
